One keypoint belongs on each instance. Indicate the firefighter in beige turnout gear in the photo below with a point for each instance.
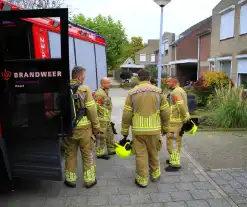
(105, 145)
(179, 116)
(147, 111)
(82, 136)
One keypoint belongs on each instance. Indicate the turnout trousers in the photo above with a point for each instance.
(82, 139)
(174, 145)
(146, 148)
(105, 144)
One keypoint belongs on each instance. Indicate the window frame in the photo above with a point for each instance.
(152, 56)
(141, 56)
(222, 13)
(241, 20)
(221, 63)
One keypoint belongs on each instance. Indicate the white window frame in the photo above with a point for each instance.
(212, 66)
(143, 58)
(165, 46)
(243, 20)
(226, 29)
(220, 66)
(152, 58)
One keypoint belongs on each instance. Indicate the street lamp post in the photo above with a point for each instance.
(162, 4)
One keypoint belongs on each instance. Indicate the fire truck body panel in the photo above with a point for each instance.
(87, 49)
(33, 149)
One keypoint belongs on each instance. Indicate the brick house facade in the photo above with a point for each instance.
(204, 46)
(229, 39)
(185, 52)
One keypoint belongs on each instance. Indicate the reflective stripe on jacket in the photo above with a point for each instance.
(146, 110)
(104, 104)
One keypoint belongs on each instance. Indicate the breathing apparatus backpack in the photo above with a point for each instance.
(77, 110)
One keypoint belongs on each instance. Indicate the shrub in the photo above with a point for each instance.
(134, 81)
(125, 75)
(230, 108)
(207, 83)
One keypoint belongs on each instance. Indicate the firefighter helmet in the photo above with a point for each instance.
(193, 129)
(123, 151)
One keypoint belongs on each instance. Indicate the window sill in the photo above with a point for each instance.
(228, 38)
(242, 34)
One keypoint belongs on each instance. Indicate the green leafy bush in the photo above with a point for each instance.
(206, 85)
(134, 81)
(230, 108)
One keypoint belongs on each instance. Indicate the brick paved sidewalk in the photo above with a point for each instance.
(191, 187)
(187, 188)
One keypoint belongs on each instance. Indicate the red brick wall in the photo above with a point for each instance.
(156, 58)
(202, 70)
(205, 45)
(173, 53)
(188, 47)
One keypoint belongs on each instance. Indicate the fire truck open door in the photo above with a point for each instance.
(31, 128)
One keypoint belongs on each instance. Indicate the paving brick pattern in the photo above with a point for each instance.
(187, 188)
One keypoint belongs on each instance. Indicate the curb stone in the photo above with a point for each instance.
(221, 129)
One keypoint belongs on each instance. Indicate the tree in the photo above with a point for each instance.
(134, 46)
(154, 72)
(112, 31)
(38, 4)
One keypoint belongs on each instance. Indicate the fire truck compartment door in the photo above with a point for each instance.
(35, 109)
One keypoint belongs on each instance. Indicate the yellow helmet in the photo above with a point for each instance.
(193, 129)
(123, 151)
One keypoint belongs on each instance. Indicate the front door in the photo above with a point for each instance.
(35, 110)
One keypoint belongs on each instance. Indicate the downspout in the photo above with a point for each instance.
(198, 56)
(175, 52)
(175, 59)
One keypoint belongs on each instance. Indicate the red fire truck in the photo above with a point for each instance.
(31, 123)
(40, 38)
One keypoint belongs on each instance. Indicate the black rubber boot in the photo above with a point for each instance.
(91, 185)
(139, 185)
(103, 157)
(172, 169)
(69, 184)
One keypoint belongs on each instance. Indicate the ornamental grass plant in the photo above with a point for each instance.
(230, 108)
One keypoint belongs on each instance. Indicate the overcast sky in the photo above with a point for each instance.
(142, 17)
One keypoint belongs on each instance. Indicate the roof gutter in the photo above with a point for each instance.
(205, 32)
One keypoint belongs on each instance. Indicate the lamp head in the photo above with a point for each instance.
(162, 3)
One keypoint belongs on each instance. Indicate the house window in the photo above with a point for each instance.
(211, 66)
(242, 80)
(226, 66)
(166, 48)
(227, 25)
(243, 20)
(152, 58)
(142, 57)
(242, 72)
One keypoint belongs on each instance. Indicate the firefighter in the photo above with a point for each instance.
(104, 109)
(179, 116)
(147, 111)
(87, 125)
